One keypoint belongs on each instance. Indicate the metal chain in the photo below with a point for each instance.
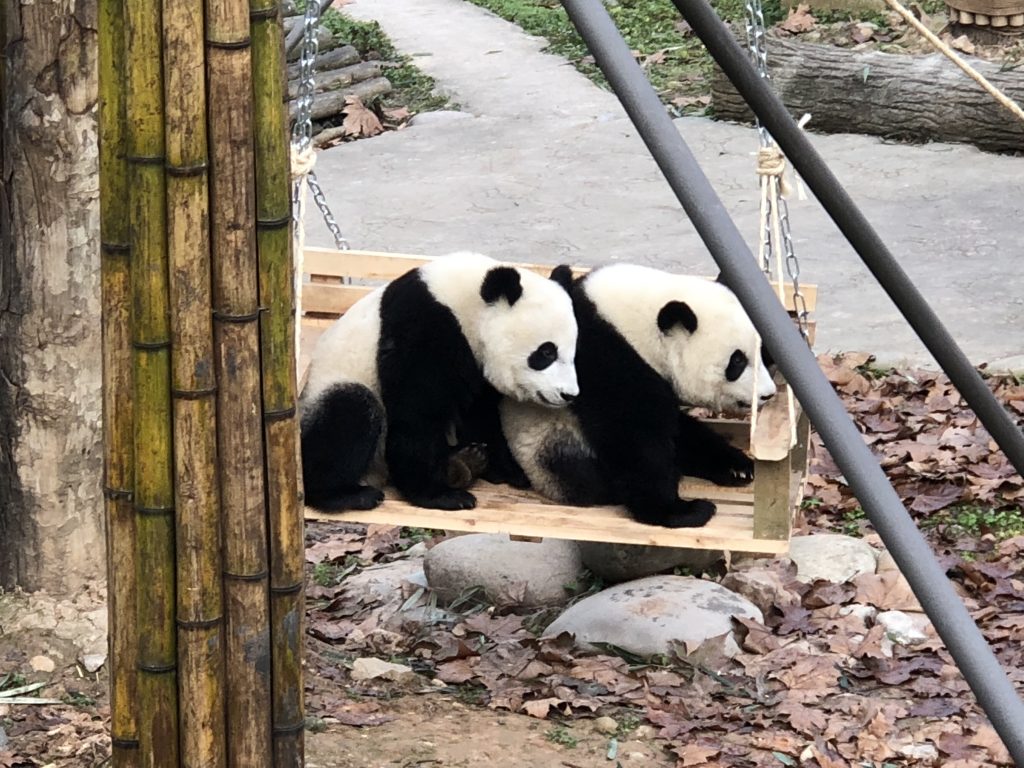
(302, 131)
(758, 47)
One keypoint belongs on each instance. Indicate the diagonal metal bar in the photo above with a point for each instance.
(975, 659)
(795, 144)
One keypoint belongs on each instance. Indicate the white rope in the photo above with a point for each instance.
(302, 162)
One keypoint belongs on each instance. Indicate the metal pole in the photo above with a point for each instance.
(851, 222)
(978, 664)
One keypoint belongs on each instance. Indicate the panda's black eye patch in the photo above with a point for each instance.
(737, 365)
(543, 356)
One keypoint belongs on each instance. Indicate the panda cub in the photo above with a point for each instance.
(393, 376)
(649, 342)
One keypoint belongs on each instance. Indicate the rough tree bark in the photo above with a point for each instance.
(51, 526)
(921, 98)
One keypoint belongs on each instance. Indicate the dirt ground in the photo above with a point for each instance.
(437, 730)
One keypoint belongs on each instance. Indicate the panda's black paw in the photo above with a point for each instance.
(450, 500)
(466, 464)
(364, 497)
(732, 468)
(690, 514)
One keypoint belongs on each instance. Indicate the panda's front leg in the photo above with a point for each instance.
(417, 456)
(703, 452)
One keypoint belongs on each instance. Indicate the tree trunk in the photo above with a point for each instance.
(921, 98)
(51, 527)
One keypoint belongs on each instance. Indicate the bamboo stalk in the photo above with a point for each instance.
(153, 481)
(117, 389)
(199, 603)
(237, 360)
(277, 336)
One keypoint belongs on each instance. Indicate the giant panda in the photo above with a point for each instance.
(390, 379)
(649, 343)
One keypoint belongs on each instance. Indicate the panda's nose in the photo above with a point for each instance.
(567, 397)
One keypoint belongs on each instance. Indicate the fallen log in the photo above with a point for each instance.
(333, 79)
(342, 56)
(917, 98)
(331, 103)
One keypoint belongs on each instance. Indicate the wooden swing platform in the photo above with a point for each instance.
(756, 518)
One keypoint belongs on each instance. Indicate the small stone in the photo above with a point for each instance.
(648, 616)
(606, 725)
(521, 574)
(925, 753)
(438, 682)
(42, 664)
(832, 557)
(624, 562)
(93, 661)
(905, 628)
(643, 732)
(369, 668)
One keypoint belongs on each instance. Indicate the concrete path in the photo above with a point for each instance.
(544, 166)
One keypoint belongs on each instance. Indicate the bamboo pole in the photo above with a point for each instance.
(153, 480)
(193, 388)
(277, 334)
(237, 361)
(117, 389)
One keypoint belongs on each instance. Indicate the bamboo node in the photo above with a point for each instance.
(279, 415)
(124, 743)
(154, 511)
(193, 394)
(277, 223)
(287, 730)
(116, 494)
(157, 669)
(146, 159)
(115, 247)
(186, 170)
(246, 576)
(151, 345)
(287, 590)
(199, 624)
(248, 317)
(263, 14)
(230, 45)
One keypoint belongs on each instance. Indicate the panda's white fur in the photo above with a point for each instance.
(416, 353)
(639, 326)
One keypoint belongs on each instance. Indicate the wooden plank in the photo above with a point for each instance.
(377, 265)
(773, 513)
(328, 299)
(502, 510)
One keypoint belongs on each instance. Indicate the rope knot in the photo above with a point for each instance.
(771, 162)
(303, 161)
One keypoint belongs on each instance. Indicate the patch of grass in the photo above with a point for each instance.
(79, 699)
(971, 520)
(412, 88)
(850, 522)
(559, 734)
(471, 695)
(628, 722)
(674, 59)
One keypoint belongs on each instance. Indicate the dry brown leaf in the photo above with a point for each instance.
(696, 754)
(962, 43)
(360, 121)
(799, 20)
(539, 708)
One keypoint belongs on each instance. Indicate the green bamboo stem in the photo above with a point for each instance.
(199, 603)
(117, 389)
(154, 483)
(237, 356)
(277, 335)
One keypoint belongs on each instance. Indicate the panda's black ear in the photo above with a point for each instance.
(677, 314)
(562, 274)
(501, 283)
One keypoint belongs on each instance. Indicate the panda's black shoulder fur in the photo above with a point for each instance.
(428, 378)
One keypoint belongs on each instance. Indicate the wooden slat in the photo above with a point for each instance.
(519, 513)
(376, 265)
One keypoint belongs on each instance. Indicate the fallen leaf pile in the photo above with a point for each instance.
(931, 445)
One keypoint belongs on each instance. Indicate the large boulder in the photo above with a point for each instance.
(648, 615)
(832, 557)
(521, 574)
(625, 562)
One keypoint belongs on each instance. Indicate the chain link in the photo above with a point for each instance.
(302, 131)
(758, 48)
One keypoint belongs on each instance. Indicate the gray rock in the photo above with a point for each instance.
(905, 628)
(646, 616)
(93, 661)
(625, 562)
(440, 117)
(512, 573)
(832, 557)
